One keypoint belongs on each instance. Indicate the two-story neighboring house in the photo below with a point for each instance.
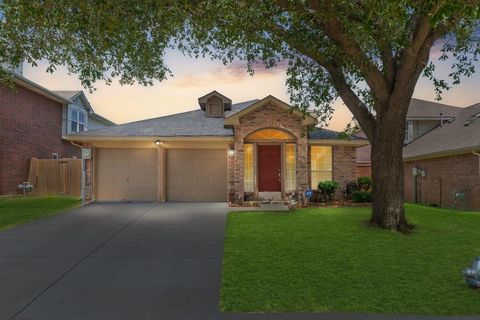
(80, 115)
(33, 124)
(442, 167)
(422, 117)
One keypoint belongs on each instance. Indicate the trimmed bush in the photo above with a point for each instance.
(328, 188)
(364, 183)
(362, 196)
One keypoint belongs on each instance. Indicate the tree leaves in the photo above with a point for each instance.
(106, 39)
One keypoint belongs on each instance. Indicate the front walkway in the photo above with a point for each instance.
(122, 261)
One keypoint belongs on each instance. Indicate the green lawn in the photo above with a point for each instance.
(17, 210)
(328, 260)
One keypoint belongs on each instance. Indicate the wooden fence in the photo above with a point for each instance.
(49, 177)
(364, 171)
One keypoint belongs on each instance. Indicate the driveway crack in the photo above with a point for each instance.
(103, 243)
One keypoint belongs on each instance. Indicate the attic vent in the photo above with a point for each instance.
(215, 104)
(214, 107)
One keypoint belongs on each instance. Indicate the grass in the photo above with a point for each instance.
(328, 260)
(18, 210)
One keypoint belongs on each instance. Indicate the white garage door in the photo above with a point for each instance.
(196, 175)
(126, 174)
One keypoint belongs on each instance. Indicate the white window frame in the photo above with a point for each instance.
(77, 121)
(408, 131)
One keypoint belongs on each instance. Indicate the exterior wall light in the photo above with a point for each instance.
(157, 142)
(231, 152)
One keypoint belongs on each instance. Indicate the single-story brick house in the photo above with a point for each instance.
(442, 167)
(259, 149)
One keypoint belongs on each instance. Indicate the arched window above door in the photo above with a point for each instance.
(269, 134)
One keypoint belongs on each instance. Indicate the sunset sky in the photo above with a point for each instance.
(196, 77)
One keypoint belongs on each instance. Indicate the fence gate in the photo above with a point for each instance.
(49, 176)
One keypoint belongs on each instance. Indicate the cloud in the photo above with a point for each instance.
(230, 74)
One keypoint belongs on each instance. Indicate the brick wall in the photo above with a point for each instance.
(445, 175)
(344, 164)
(30, 126)
(269, 116)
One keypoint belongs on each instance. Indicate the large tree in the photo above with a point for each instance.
(370, 53)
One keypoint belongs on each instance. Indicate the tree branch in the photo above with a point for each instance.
(335, 31)
(351, 100)
(414, 58)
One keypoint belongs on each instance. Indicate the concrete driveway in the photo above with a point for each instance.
(122, 261)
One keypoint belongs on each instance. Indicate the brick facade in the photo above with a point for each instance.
(268, 116)
(30, 127)
(443, 178)
(344, 166)
(273, 116)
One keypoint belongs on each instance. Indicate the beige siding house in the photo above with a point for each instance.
(254, 150)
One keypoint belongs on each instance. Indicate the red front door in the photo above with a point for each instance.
(269, 168)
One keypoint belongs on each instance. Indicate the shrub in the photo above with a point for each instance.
(350, 188)
(362, 196)
(328, 188)
(364, 183)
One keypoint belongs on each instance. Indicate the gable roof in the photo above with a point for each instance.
(185, 124)
(419, 108)
(233, 118)
(73, 95)
(456, 136)
(68, 94)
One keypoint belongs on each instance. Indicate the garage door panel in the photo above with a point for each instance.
(138, 192)
(126, 174)
(196, 175)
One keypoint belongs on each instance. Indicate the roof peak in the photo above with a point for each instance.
(225, 102)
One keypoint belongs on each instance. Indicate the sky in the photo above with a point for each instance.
(194, 78)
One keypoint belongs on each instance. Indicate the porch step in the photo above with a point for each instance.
(270, 196)
(275, 202)
(278, 206)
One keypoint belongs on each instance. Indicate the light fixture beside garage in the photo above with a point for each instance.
(230, 152)
(158, 142)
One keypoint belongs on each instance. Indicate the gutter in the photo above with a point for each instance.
(338, 142)
(35, 87)
(147, 138)
(75, 144)
(438, 154)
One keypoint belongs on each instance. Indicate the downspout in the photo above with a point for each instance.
(82, 178)
(76, 144)
(478, 155)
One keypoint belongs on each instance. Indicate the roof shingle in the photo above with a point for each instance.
(456, 135)
(427, 109)
(185, 124)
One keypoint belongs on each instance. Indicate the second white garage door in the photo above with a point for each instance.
(196, 175)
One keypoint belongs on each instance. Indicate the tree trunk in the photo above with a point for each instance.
(387, 176)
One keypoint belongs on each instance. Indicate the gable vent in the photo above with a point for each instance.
(215, 104)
